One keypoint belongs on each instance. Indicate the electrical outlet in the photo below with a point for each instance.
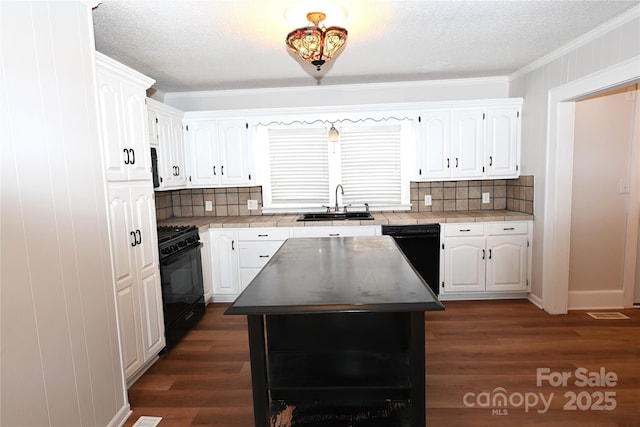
(486, 197)
(427, 200)
(208, 205)
(623, 186)
(252, 205)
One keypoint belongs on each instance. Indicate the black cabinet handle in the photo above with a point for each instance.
(490, 160)
(489, 253)
(214, 170)
(127, 161)
(133, 156)
(222, 170)
(508, 229)
(456, 162)
(139, 237)
(263, 235)
(232, 245)
(466, 229)
(134, 240)
(263, 256)
(334, 234)
(448, 163)
(483, 254)
(178, 169)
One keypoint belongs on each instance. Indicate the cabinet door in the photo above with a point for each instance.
(143, 211)
(166, 165)
(435, 142)
(467, 144)
(135, 131)
(145, 225)
(464, 264)
(177, 151)
(152, 315)
(233, 146)
(111, 121)
(124, 269)
(152, 127)
(224, 262)
(501, 146)
(201, 140)
(507, 263)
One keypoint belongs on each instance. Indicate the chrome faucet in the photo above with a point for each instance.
(341, 192)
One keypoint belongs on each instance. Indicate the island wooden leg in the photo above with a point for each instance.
(258, 370)
(417, 367)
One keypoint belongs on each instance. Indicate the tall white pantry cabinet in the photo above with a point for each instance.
(132, 218)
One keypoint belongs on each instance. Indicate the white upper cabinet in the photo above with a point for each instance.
(435, 152)
(218, 152)
(470, 143)
(467, 144)
(233, 146)
(502, 142)
(167, 124)
(123, 117)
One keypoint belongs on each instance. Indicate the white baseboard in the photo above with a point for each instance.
(596, 300)
(464, 296)
(536, 300)
(121, 417)
(224, 298)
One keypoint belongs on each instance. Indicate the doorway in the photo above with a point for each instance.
(556, 221)
(602, 163)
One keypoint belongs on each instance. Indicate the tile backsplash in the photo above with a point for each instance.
(229, 201)
(512, 194)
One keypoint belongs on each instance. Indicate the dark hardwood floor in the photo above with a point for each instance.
(477, 352)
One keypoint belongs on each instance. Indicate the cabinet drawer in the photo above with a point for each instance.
(505, 228)
(339, 231)
(256, 254)
(264, 233)
(464, 229)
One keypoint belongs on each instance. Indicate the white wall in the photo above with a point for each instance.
(60, 363)
(601, 153)
(613, 43)
(338, 95)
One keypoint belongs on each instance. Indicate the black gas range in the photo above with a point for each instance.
(181, 277)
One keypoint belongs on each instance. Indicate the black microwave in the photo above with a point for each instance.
(154, 168)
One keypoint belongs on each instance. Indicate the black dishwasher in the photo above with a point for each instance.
(420, 243)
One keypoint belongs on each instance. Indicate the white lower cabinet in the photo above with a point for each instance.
(257, 246)
(225, 264)
(485, 259)
(134, 249)
(238, 254)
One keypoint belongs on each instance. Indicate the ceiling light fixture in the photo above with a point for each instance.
(334, 135)
(317, 44)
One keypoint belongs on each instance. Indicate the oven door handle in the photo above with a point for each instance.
(175, 257)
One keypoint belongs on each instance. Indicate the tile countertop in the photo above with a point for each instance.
(393, 218)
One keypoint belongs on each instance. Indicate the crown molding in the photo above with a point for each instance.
(588, 37)
(225, 93)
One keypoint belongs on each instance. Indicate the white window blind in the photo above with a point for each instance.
(299, 166)
(371, 164)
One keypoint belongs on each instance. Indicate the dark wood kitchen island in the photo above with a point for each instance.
(336, 335)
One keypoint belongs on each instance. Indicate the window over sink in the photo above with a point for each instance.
(372, 160)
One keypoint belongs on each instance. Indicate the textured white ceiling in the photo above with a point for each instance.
(227, 44)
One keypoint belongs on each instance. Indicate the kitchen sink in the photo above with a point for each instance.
(336, 216)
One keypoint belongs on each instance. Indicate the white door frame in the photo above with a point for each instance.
(559, 177)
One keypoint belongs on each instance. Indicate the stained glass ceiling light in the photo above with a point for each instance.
(317, 44)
